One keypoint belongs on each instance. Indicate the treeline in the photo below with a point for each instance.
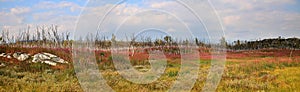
(275, 43)
(41, 36)
(50, 37)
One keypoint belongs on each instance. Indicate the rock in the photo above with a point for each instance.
(41, 56)
(2, 54)
(5, 55)
(8, 56)
(55, 58)
(50, 63)
(35, 59)
(2, 64)
(48, 58)
(62, 61)
(59, 60)
(20, 56)
(50, 55)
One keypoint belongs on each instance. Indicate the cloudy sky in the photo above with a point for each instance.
(241, 19)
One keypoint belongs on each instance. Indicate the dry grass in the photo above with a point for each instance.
(252, 73)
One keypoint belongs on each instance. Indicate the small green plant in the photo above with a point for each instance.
(102, 54)
(172, 73)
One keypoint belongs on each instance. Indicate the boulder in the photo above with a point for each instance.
(20, 56)
(55, 58)
(41, 56)
(37, 58)
(47, 58)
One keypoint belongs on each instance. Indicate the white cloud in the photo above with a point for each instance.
(162, 4)
(243, 5)
(171, 30)
(15, 16)
(169, 16)
(46, 16)
(63, 4)
(18, 18)
(243, 19)
(231, 20)
(20, 10)
(254, 19)
(10, 19)
(7, 0)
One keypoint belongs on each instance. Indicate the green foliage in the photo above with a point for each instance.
(172, 73)
(279, 43)
(110, 58)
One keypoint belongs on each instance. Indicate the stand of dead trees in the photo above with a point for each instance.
(51, 37)
(40, 36)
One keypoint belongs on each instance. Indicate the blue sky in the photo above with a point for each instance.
(42, 6)
(242, 19)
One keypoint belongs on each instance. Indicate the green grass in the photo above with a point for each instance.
(48, 80)
(238, 76)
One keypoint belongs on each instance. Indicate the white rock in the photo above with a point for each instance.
(20, 56)
(50, 55)
(2, 54)
(59, 60)
(23, 57)
(8, 56)
(41, 56)
(2, 65)
(34, 60)
(62, 61)
(47, 58)
(50, 63)
(38, 58)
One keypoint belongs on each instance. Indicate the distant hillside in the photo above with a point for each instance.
(275, 43)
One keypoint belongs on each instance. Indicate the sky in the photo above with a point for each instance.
(240, 19)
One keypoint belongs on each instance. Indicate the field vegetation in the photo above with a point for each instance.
(263, 65)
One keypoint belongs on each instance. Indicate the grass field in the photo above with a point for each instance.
(261, 70)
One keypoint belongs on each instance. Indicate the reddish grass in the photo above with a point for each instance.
(263, 53)
(142, 55)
